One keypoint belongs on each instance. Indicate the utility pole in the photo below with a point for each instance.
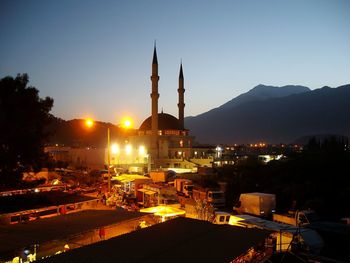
(109, 160)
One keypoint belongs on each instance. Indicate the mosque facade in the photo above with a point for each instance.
(165, 137)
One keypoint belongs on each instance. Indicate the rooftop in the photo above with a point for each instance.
(48, 229)
(177, 240)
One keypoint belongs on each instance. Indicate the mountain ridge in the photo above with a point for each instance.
(260, 92)
(275, 120)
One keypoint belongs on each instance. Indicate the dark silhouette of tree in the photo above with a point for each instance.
(23, 117)
(317, 178)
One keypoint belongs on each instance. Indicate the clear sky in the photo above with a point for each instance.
(94, 57)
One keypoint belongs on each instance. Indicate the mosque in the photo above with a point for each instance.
(165, 137)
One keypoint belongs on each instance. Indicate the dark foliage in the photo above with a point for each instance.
(318, 179)
(23, 116)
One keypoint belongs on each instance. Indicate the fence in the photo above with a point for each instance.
(33, 214)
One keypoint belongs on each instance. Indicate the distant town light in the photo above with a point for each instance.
(218, 150)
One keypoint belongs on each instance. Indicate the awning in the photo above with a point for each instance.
(147, 192)
(162, 210)
(130, 178)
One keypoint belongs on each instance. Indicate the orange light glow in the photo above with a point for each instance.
(89, 123)
(127, 123)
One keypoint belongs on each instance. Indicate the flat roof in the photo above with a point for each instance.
(178, 240)
(266, 224)
(43, 230)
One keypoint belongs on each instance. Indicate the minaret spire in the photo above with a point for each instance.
(154, 106)
(181, 91)
(155, 60)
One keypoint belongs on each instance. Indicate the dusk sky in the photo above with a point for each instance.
(94, 57)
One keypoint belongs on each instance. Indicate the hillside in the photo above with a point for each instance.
(263, 92)
(74, 133)
(275, 119)
(259, 93)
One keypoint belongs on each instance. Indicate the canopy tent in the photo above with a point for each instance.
(130, 178)
(163, 211)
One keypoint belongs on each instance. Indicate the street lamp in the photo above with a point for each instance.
(115, 148)
(89, 123)
(127, 123)
(142, 150)
(128, 149)
(109, 160)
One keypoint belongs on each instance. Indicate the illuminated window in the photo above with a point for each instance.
(172, 132)
(181, 143)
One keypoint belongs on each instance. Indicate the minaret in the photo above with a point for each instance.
(154, 94)
(181, 104)
(154, 153)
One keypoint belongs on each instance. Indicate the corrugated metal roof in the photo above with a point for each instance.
(177, 240)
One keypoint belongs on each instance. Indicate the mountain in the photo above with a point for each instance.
(273, 115)
(259, 93)
(262, 92)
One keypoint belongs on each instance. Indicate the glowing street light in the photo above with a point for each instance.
(89, 123)
(115, 148)
(128, 149)
(142, 150)
(127, 123)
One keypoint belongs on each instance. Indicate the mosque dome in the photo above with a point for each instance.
(165, 122)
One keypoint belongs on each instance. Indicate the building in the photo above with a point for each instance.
(168, 142)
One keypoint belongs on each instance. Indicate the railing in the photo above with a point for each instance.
(33, 214)
(36, 189)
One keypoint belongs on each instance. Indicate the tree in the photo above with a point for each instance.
(23, 117)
